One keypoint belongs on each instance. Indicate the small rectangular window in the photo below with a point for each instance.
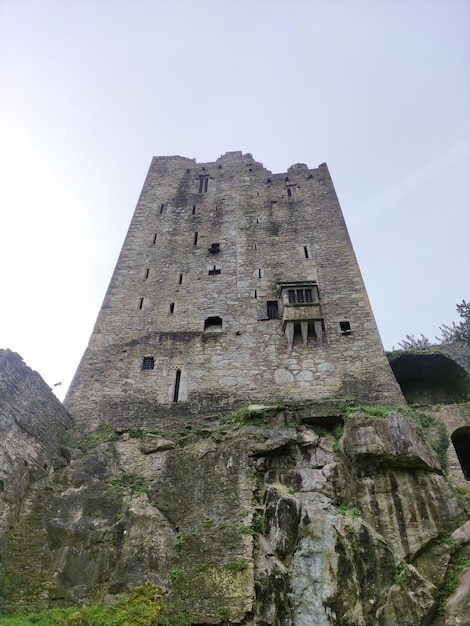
(194, 210)
(291, 191)
(203, 183)
(299, 296)
(155, 238)
(172, 307)
(308, 295)
(345, 327)
(195, 239)
(214, 271)
(273, 309)
(141, 303)
(291, 295)
(162, 208)
(148, 363)
(306, 252)
(147, 272)
(180, 279)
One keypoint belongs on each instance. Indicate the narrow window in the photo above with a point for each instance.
(203, 183)
(260, 274)
(306, 252)
(214, 271)
(255, 247)
(291, 295)
(155, 238)
(345, 327)
(194, 210)
(148, 363)
(147, 271)
(180, 279)
(273, 309)
(176, 391)
(172, 307)
(291, 190)
(162, 208)
(256, 293)
(308, 295)
(257, 220)
(195, 238)
(300, 296)
(141, 303)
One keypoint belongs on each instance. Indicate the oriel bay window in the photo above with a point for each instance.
(300, 308)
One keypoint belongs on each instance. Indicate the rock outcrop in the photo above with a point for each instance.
(304, 515)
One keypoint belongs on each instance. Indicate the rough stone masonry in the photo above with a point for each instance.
(233, 285)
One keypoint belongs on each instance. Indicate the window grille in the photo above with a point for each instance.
(273, 309)
(148, 363)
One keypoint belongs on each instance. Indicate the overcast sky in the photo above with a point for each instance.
(92, 89)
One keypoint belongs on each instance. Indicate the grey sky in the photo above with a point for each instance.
(92, 89)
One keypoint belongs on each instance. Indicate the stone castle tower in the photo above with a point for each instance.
(234, 286)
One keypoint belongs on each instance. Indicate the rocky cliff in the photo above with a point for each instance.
(305, 515)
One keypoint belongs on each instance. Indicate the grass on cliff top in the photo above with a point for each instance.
(246, 415)
(142, 608)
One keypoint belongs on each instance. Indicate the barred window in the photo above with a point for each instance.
(300, 296)
(148, 363)
(273, 309)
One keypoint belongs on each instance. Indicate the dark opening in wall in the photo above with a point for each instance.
(172, 307)
(155, 238)
(176, 391)
(214, 248)
(195, 239)
(273, 309)
(147, 272)
(213, 324)
(306, 252)
(214, 271)
(148, 363)
(141, 303)
(203, 183)
(194, 210)
(430, 377)
(180, 279)
(162, 208)
(461, 440)
(345, 327)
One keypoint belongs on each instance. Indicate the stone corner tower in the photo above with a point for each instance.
(234, 285)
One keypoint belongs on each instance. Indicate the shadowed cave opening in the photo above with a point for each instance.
(430, 378)
(461, 440)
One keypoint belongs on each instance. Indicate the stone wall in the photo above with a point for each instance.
(170, 282)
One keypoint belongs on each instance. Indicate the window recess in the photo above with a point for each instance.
(213, 324)
(203, 183)
(214, 248)
(148, 363)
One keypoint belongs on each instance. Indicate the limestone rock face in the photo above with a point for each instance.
(305, 516)
(33, 423)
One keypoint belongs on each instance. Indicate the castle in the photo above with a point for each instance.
(234, 285)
